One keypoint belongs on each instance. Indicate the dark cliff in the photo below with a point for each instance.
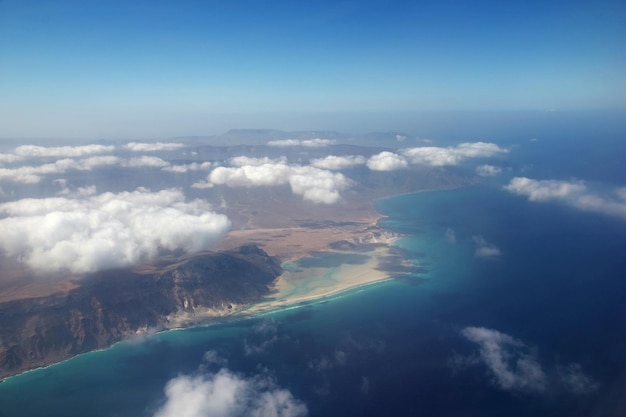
(111, 305)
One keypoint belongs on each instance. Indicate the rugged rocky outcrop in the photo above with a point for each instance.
(111, 305)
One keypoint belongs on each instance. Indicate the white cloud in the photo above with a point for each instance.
(153, 147)
(338, 162)
(107, 230)
(572, 193)
(145, 161)
(311, 143)
(251, 175)
(545, 190)
(33, 174)
(485, 249)
(433, 156)
(436, 156)
(240, 161)
(33, 151)
(313, 184)
(316, 185)
(194, 166)
(9, 157)
(386, 161)
(479, 150)
(488, 170)
(284, 142)
(509, 360)
(226, 394)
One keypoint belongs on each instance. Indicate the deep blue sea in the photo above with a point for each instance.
(538, 329)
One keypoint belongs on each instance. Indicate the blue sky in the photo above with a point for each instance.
(161, 68)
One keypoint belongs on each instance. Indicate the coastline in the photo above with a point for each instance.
(293, 289)
(282, 299)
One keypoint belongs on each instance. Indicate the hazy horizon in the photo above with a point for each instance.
(148, 69)
(443, 125)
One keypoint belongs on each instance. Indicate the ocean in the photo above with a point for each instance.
(513, 308)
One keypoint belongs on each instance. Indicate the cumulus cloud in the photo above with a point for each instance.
(251, 175)
(316, 185)
(313, 184)
(338, 162)
(433, 156)
(152, 147)
(485, 249)
(478, 150)
(572, 193)
(545, 190)
(145, 161)
(9, 157)
(488, 170)
(227, 394)
(436, 156)
(34, 174)
(33, 151)
(240, 161)
(60, 152)
(107, 230)
(194, 166)
(510, 362)
(386, 161)
(311, 143)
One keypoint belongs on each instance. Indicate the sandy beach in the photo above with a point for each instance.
(309, 284)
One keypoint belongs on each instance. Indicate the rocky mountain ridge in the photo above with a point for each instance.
(111, 305)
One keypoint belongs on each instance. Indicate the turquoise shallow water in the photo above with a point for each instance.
(557, 287)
